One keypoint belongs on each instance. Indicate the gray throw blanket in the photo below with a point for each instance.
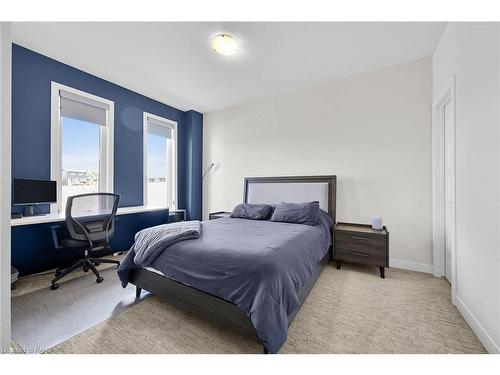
(150, 242)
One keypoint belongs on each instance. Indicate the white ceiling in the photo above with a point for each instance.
(174, 63)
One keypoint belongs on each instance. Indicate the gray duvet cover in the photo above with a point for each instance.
(259, 266)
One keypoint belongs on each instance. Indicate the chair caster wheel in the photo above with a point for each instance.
(99, 279)
(96, 264)
(54, 286)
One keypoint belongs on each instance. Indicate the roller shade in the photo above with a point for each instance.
(84, 109)
(160, 128)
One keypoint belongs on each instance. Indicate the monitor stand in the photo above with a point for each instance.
(30, 211)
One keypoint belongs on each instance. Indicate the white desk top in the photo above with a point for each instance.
(53, 218)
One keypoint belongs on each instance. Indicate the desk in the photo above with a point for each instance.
(34, 249)
(55, 218)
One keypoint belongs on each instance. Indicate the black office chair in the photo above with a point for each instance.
(90, 224)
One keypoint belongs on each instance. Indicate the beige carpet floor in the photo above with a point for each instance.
(348, 311)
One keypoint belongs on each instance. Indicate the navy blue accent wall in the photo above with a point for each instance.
(32, 74)
(193, 122)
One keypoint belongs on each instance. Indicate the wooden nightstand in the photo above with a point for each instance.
(218, 215)
(359, 243)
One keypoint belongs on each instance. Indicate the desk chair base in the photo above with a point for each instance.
(86, 264)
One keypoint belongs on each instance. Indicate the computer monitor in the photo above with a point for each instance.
(31, 192)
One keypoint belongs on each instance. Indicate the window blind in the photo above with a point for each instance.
(160, 128)
(82, 108)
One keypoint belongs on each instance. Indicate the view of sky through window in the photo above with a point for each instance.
(157, 156)
(157, 170)
(80, 145)
(80, 157)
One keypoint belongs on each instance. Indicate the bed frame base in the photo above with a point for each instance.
(206, 305)
(138, 292)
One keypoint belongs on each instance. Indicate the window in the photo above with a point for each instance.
(160, 161)
(81, 143)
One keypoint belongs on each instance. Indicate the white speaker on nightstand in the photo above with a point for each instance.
(377, 223)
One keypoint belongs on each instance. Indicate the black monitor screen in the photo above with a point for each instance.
(33, 191)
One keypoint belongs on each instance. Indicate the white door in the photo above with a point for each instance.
(449, 161)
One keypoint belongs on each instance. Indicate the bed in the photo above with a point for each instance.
(250, 275)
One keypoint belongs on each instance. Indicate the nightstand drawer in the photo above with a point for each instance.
(363, 258)
(347, 242)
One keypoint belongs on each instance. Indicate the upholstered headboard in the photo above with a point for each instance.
(296, 189)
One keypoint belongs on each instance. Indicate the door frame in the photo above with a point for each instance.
(5, 183)
(438, 182)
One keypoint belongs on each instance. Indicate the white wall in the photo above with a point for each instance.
(373, 131)
(5, 182)
(471, 51)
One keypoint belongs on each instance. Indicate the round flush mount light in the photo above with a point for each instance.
(225, 44)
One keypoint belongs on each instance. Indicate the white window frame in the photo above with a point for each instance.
(106, 142)
(172, 125)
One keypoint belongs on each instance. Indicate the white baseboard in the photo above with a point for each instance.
(410, 266)
(483, 336)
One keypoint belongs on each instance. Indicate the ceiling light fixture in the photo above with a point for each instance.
(225, 44)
